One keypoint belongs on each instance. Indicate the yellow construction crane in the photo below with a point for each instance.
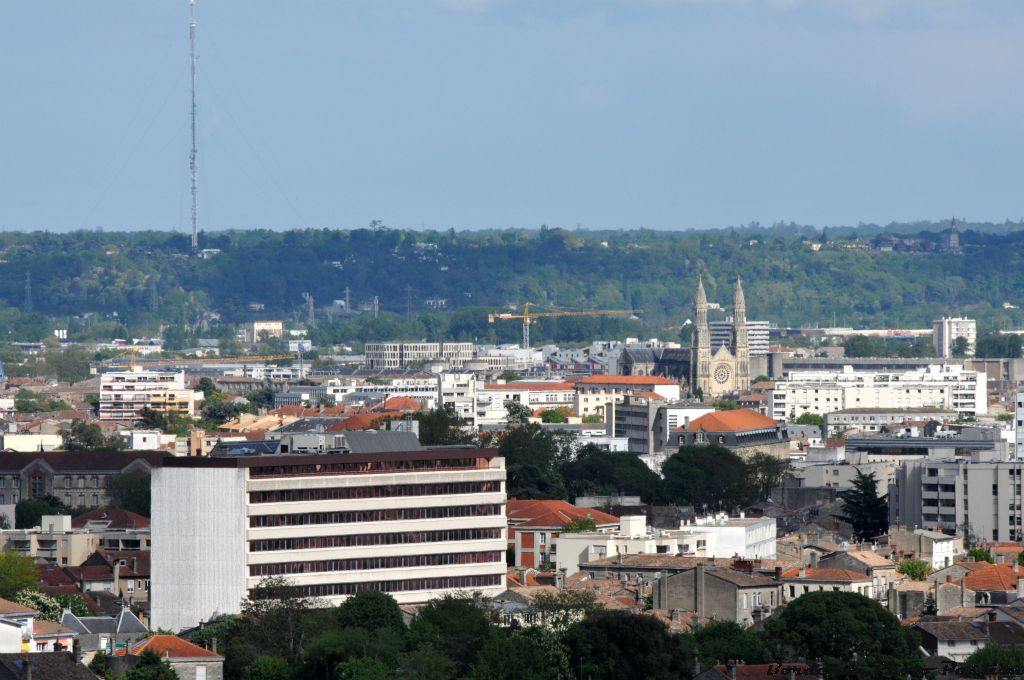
(529, 318)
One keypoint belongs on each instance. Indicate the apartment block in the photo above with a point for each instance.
(415, 524)
(757, 335)
(124, 394)
(939, 386)
(945, 331)
(944, 494)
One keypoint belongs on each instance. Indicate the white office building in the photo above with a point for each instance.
(757, 335)
(415, 524)
(945, 331)
(402, 354)
(949, 387)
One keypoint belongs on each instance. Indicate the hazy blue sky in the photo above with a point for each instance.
(496, 113)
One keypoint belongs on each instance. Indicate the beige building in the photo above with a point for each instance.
(58, 540)
(945, 331)
(593, 394)
(124, 394)
(254, 331)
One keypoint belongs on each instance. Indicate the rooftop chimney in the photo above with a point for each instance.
(814, 559)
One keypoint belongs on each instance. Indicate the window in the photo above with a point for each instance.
(201, 672)
(67, 482)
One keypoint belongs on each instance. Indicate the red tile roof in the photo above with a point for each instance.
(364, 421)
(118, 518)
(994, 577)
(648, 395)
(826, 574)
(767, 671)
(399, 404)
(8, 608)
(169, 647)
(552, 514)
(627, 380)
(736, 420)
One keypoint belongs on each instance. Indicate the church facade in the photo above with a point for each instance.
(723, 370)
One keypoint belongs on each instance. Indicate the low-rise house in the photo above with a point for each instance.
(22, 631)
(104, 633)
(534, 526)
(727, 594)
(934, 547)
(48, 666)
(909, 599)
(188, 660)
(801, 580)
(633, 537)
(996, 583)
(740, 430)
(957, 639)
(881, 570)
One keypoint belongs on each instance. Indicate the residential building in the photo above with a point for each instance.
(947, 387)
(802, 580)
(953, 493)
(508, 358)
(878, 419)
(737, 594)
(908, 599)
(124, 394)
(594, 393)
(957, 639)
(1018, 424)
(647, 420)
(934, 547)
(458, 393)
(537, 396)
(30, 441)
(410, 354)
(740, 430)
(535, 525)
(744, 537)
(59, 540)
(415, 524)
(78, 478)
(22, 631)
(189, 661)
(881, 570)
(631, 538)
(104, 633)
(945, 332)
(254, 331)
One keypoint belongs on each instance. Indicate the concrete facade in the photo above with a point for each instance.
(723, 594)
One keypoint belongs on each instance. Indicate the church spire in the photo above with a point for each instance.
(739, 304)
(701, 298)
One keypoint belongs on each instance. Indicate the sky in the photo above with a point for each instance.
(466, 114)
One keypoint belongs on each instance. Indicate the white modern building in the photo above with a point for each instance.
(1018, 424)
(403, 354)
(595, 393)
(941, 386)
(414, 524)
(945, 331)
(746, 537)
(537, 396)
(757, 335)
(632, 537)
(947, 493)
(123, 394)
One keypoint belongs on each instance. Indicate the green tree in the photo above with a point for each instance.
(455, 625)
(151, 667)
(18, 573)
(207, 387)
(619, 644)
(560, 609)
(130, 492)
(725, 405)
(276, 609)
(711, 477)
(764, 473)
(864, 509)
(69, 365)
(424, 663)
(516, 413)
(371, 610)
(98, 665)
(552, 415)
(267, 667)
(29, 513)
(959, 347)
(594, 471)
(442, 427)
(82, 436)
(532, 457)
(578, 525)
(720, 641)
(993, 659)
(914, 569)
(981, 554)
(534, 653)
(48, 608)
(851, 635)
(808, 418)
(365, 668)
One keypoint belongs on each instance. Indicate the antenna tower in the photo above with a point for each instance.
(192, 155)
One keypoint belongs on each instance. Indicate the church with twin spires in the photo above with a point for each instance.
(723, 370)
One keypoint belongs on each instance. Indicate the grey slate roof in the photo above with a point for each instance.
(361, 441)
(125, 622)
